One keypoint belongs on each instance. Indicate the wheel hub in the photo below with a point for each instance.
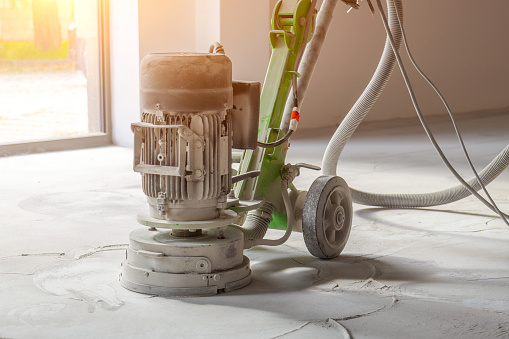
(339, 218)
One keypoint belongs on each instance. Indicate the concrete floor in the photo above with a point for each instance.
(427, 273)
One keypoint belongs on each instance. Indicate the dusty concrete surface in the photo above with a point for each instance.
(430, 273)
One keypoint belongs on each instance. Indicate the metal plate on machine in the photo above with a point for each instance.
(245, 113)
(228, 218)
(224, 164)
(246, 205)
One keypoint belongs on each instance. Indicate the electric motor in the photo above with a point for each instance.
(184, 141)
(183, 150)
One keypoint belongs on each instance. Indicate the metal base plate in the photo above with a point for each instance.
(187, 285)
(228, 218)
(159, 263)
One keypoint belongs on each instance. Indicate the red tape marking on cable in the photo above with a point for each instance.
(295, 115)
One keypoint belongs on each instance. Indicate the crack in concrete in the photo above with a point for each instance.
(344, 331)
(381, 254)
(484, 279)
(15, 273)
(490, 220)
(330, 322)
(105, 248)
(32, 255)
(386, 307)
(321, 272)
(474, 231)
(292, 331)
(298, 262)
(40, 254)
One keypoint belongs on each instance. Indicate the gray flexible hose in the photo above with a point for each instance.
(368, 98)
(357, 114)
(256, 224)
(488, 174)
(289, 224)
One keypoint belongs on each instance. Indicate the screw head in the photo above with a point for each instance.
(201, 265)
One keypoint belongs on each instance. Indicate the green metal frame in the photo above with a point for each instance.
(286, 37)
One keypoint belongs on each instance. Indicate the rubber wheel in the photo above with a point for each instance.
(327, 216)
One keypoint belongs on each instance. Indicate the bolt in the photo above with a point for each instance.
(146, 274)
(216, 277)
(221, 234)
(201, 264)
(302, 22)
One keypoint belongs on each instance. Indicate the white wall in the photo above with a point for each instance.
(461, 44)
(124, 66)
(166, 26)
(139, 27)
(245, 26)
(208, 25)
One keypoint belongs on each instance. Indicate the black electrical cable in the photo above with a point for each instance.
(276, 143)
(309, 19)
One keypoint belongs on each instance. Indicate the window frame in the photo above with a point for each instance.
(96, 139)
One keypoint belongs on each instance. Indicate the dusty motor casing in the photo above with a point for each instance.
(183, 150)
(184, 140)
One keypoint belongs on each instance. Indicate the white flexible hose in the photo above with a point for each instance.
(355, 116)
(488, 174)
(368, 98)
(430, 135)
(257, 223)
(290, 220)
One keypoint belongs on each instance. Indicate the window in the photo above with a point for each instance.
(53, 75)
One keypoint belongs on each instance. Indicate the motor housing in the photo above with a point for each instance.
(183, 143)
(183, 150)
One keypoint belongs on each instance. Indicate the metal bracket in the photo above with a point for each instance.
(189, 142)
(289, 39)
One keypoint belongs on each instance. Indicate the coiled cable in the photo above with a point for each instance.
(430, 135)
(394, 28)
